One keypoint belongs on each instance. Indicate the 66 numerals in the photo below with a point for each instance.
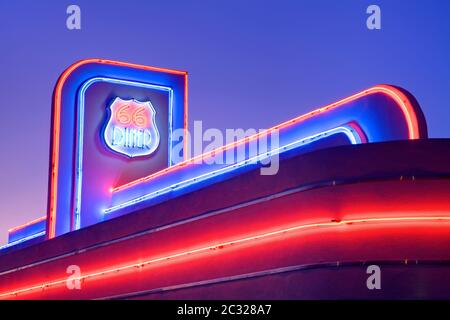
(247, 309)
(127, 115)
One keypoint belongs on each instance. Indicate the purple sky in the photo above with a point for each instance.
(251, 64)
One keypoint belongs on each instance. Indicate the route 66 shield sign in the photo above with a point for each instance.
(131, 128)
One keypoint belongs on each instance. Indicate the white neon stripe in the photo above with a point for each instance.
(350, 133)
(11, 244)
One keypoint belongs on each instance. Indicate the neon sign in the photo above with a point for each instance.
(131, 128)
(83, 94)
(151, 105)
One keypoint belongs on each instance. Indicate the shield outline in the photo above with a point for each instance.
(153, 128)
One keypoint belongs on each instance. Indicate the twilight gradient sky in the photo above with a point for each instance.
(252, 63)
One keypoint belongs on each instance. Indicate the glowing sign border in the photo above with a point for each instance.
(80, 131)
(27, 224)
